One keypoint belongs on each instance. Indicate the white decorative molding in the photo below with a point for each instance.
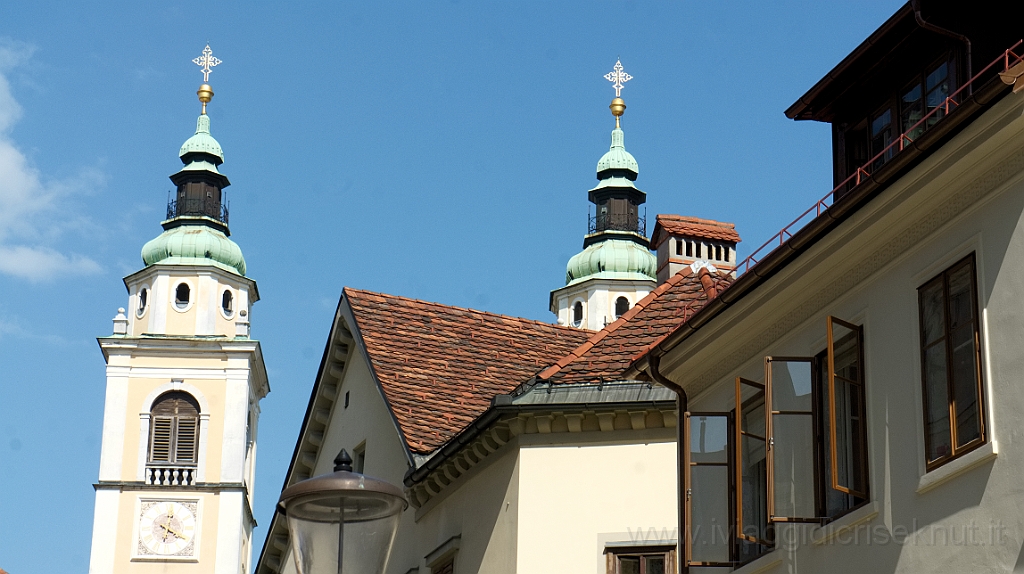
(958, 466)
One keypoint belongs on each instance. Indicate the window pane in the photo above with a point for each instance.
(937, 76)
(629, 565)
(912, 109)
(933, 313)
(791, 385)
(754, 474)
(965, 385)
(654, 565)
(937, 402)
(709, 437)
(961, 298)
(709, 514)
(836, 502)
(793, 460)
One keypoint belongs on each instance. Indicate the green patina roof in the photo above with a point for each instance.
(202, 141)
(194, 245)
(612, 259)
(617, 156)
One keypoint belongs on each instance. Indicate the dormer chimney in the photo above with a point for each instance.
(680, 241)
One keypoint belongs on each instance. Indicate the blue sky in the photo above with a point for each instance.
(436, 150)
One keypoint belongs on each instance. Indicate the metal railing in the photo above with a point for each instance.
(617, 222)
(1008, 59)
(170, 475)
(207, 207)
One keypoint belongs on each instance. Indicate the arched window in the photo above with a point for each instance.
(174, 429)
(227, 302)
(621, 306)
(181, 295)
(577, 314)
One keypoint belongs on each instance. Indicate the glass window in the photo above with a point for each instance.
(640, 560)
(951, 364)
(881, 136)
(577, 314)
(181, 295)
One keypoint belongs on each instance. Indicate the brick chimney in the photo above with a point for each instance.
(679, 241)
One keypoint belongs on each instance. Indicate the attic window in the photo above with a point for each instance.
(689, 249)
(679, 246)
(577, 314)
(181, 295)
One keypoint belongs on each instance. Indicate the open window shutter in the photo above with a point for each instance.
(186, 441)
(791, 451)
(847, 422)
(161, 431)
(708, 539)
(751, 471)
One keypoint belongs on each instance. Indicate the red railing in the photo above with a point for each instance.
(1008, 59)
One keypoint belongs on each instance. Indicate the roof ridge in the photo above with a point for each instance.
(475, 311)
(633, 311)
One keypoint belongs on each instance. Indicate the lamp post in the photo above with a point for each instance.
(343, 522)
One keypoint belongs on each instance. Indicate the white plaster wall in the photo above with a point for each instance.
(574, 500)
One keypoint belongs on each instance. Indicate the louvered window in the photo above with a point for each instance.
(174, 430)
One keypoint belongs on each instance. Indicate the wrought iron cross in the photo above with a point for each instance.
(617, 77)
(207, 61)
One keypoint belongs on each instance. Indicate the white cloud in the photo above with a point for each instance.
(34, 212)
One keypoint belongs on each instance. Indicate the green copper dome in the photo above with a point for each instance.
(612, 259)
(194, 245)
(202, 141)
(617, 157)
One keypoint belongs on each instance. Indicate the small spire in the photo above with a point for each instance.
(205, 62)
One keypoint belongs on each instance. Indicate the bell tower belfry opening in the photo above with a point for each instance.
(183, 391)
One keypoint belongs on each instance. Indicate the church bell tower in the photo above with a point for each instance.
(184, 384)
(616, 267)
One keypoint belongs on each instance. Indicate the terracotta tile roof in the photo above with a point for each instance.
(439, 366)
(693, 226)
(608, 353)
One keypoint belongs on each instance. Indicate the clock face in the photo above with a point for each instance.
(167, 528)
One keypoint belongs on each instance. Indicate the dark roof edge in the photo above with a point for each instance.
(505, 405)
(805, 100)
(820, 226)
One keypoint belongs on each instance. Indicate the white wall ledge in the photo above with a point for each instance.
(955, 468)
(828, 532)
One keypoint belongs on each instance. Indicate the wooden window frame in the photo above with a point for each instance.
(688, 463)
(738, 457)
(770, 414)
(614, 554)
(831, 390)
(955, 451)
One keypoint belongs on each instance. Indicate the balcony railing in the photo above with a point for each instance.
(1005, 61)
(204, 207)
(170, 475)
(617, 222)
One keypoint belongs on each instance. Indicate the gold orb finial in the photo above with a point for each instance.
(205, 94)
(618, 107)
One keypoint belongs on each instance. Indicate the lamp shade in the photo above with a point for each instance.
(343, 522)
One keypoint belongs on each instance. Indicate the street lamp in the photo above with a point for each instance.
(343, 522)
